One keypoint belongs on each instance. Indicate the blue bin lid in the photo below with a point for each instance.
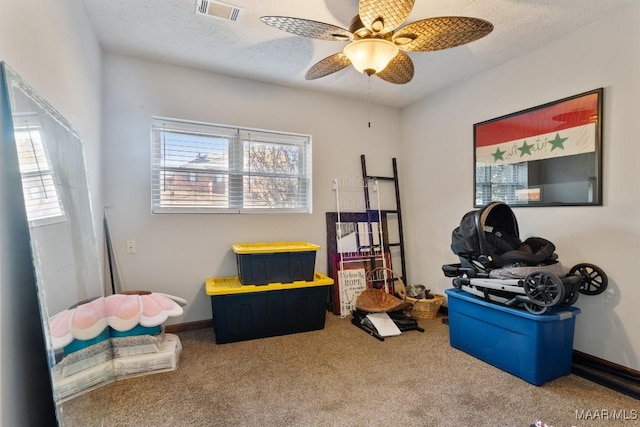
(556, 313)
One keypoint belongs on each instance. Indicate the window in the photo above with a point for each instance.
(500, 183)
(200, 167)
(42, 201)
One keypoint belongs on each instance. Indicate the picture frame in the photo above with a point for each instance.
(549, 155)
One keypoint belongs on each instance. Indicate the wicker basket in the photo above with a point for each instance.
(420, 308)
(426, 308)
(375, 300)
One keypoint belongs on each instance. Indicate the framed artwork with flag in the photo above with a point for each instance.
(549, 155)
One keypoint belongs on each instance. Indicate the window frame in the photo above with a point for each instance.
(29, 124)
(235, 171)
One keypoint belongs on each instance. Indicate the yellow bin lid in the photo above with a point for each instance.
(274, 247)
(231, 285)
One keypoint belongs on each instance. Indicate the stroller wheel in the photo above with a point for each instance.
(571, 298)
(535, 308)
(543, 288)
(593, 280)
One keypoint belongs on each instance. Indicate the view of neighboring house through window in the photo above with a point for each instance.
(42, 201)
(200, 167)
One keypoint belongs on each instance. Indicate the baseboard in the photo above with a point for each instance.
(190, 326)
(611, 375)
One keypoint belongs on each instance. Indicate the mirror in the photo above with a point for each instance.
(64, 248)
(92, 339)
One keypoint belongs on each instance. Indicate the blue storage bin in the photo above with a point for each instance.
(536, 348)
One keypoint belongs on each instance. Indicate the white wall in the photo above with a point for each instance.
(437, 175)
(176, 253)
(53, 47)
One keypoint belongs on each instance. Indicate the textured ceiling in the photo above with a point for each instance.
(170, 31)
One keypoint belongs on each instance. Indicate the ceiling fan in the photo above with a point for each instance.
(376, 45)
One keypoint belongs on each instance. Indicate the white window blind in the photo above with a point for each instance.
(500, 182)
(200, 167)
(42, 200)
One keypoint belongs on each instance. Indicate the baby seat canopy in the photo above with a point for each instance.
(491, 236)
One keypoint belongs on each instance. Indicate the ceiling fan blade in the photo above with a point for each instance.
(308, 28)
(383, 16)
(328, 65)
(441, 33)
(399, 70)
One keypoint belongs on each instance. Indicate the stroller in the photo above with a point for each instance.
(496, 265)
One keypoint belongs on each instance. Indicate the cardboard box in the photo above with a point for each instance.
(536, 348)
(244, 312)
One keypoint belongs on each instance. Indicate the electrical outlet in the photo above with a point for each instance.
(131, 246)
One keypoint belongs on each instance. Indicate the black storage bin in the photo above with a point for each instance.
(279, 262)
(264, 311)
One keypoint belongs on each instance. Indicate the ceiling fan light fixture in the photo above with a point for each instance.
(370, 56)
(378, 41)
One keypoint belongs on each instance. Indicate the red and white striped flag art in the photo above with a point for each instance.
(560, 129)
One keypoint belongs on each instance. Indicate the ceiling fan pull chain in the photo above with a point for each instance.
(369, 77)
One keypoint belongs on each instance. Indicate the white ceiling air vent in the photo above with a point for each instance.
(218, 10)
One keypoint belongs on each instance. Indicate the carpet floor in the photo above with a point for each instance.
(341, 376)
